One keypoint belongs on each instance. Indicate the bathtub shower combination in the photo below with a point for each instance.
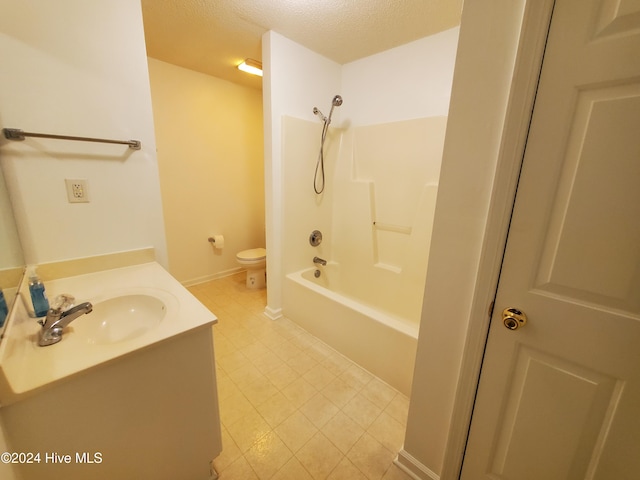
(375, 219)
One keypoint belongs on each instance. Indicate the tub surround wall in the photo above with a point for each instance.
(304, 211)
(376, 212)
(385, 185)
(210, 154)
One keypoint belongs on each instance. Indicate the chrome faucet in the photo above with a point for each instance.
(57, 319)
(319, 260)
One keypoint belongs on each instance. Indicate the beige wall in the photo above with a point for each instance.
(52, 82)
(210, 154)
(78, 68)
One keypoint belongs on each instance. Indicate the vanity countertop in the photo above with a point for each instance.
(26, 367)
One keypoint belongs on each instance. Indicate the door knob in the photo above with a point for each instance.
(513, 318)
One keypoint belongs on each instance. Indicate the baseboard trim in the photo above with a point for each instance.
(412, 467)
(272, 313)
(214, 276)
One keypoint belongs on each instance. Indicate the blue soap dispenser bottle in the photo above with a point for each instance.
(4, 310)
(38, 295)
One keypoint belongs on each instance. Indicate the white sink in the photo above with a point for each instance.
(134, 307)
(120, 318)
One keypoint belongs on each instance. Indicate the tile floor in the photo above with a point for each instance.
(291, 407)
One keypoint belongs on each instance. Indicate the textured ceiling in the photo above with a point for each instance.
(213, 36)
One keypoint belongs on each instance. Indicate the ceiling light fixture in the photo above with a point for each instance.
(251, 66)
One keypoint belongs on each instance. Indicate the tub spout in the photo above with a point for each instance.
(320, 261)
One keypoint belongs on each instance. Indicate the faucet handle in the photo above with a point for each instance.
(62, 302)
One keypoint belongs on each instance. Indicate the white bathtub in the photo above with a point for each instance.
(381, 343)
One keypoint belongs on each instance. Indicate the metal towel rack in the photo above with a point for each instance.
(17, 134)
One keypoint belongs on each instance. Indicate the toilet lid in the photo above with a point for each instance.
(252, 254)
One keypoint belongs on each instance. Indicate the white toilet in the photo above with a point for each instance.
(255, 261)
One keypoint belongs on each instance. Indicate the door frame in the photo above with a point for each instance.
(535, 24)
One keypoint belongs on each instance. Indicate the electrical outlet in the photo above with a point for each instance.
(77, 190)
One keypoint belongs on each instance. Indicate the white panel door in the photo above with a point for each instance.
(559, 398)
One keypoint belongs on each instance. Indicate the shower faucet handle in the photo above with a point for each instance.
(315, 238)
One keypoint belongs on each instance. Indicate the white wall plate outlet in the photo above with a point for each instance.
(77, 190)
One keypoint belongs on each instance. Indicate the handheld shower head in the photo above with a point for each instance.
(335, 102)
(316, 111)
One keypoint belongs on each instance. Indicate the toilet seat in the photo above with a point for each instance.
(255, 261)
(252, 255)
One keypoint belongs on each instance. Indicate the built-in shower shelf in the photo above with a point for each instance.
(390, 268)
(389, 227)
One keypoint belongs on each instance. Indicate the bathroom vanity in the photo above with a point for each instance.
(128, 393)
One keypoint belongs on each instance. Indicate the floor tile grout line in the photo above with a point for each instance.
(319, 429)
(243, 318)
(298, 409)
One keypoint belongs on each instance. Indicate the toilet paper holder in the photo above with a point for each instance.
(217, 241)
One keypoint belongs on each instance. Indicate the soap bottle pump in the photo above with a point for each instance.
(38, 295)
